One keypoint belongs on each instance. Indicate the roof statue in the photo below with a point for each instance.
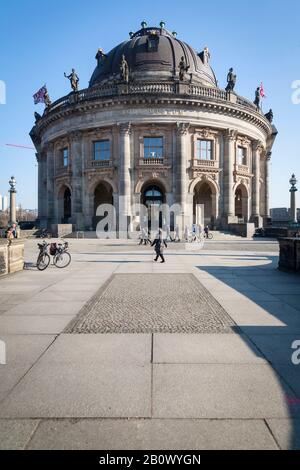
(74, 80)
(231, 80)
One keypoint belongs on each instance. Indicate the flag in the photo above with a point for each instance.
(262, 91)
(39, 96)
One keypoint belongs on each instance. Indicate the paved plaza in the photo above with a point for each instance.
(201, 361)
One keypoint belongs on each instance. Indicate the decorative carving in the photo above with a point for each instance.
(258, 146)
(231, 134)
(206, 133)
(244, 141)
(183, 127)
(75, 135)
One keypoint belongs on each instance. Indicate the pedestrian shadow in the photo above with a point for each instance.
(261, 286)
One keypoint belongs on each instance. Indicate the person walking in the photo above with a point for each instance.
(159, 244)
(176, 233)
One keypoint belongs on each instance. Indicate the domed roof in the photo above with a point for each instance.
(154, 54)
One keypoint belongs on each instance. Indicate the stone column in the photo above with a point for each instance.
(228, 181)
(257, 148)
(293, 209)
(181, 162)
(42, 189)
(12, 202)
(50, 184)
(76, 146)
(267, 184)
(124, 178)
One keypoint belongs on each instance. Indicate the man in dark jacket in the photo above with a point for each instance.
(159, 244)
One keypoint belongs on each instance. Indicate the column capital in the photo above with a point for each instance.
(75, 135)
(231, 135)
(182, 127)
(125, 128)
(258, 146)
(48, 147)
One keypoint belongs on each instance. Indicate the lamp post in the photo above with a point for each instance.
(12, 201)
(293, 209)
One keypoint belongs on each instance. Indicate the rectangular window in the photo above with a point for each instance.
(102, 150)
(153, 147)
(204, 149)
(65, 157)
(242, 156)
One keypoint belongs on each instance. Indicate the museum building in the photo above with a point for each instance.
(153, 127)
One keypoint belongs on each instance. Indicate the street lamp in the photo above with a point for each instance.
(293, 189)
(12, 200)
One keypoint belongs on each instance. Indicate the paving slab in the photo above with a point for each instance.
(42, 308)
(15, 433)
(219, 391)
(23, 349)
(100, 348)
(10, 376)
(81, 390)
(61, 296)
(205, 349)
(152, 434)
(286, 432)
(34, 324)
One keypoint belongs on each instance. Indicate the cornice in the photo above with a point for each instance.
(216, 107)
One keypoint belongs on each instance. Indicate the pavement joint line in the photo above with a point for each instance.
(32, 434)
(272, 434)
(136, 418)
(29, 369)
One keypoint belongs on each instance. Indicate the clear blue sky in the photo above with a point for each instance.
(40, 40)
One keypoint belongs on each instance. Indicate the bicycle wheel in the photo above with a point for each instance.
(62, 260)
(210, 236)
(43, 261)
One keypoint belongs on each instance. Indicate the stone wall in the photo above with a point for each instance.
(243, 230)
(11, 256)
(289, 256)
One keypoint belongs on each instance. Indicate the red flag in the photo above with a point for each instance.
(262, 91)
(39, 96)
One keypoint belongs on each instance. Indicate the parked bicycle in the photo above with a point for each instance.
(45, 233)
(59, 251)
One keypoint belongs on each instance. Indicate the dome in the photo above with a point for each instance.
(154, 54)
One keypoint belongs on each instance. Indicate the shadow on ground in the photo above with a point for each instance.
(273, 342)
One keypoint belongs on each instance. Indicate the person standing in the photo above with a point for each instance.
(159, 244)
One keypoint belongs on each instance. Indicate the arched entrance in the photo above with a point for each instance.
(241, 203)
(204, 195)
(64, 205)
(152, 195)
(67, 206)
(103, 194)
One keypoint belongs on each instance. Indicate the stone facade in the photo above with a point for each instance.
(181, 113)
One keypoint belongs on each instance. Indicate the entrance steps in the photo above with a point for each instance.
(224, 235)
